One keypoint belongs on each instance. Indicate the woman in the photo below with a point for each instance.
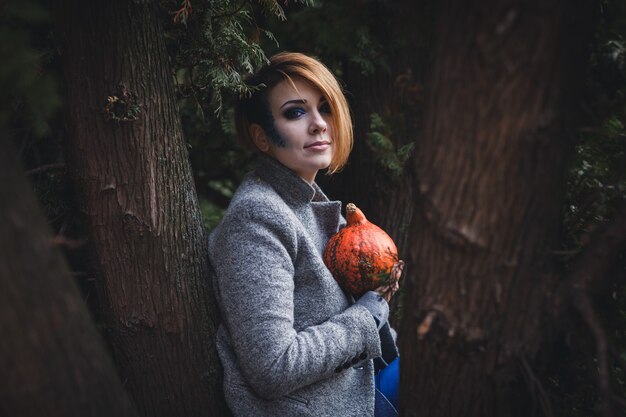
(290, 341)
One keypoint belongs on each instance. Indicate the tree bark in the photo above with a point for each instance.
(54, 363)
(490, 172)
(128, 160)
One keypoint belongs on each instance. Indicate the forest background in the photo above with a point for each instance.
(393, 59)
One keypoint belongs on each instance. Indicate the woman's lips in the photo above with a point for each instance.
(318, 146)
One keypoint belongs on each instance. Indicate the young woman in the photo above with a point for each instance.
(290, 341)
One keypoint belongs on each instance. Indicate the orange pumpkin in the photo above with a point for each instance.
(361, 255)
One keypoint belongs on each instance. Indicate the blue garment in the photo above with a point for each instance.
(387, 384)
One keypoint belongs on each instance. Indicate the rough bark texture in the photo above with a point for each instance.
(136, 190)
(490, 172)
(54, 363)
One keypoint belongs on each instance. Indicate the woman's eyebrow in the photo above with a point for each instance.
(299, 101)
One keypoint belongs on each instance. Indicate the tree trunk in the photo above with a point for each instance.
(490, 172)
(54, 363)
(128, 160)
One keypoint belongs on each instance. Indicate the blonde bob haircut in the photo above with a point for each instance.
(284, 66)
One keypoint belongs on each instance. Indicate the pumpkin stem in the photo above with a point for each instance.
(354, 215)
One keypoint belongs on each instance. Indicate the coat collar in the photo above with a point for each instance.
(289, 185)
(324, 218)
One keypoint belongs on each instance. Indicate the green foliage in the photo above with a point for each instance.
(212, 52)
(597, 180)
(29, 92)
(218, 44)
(211, 213)
(272, 7)
(379, 141)
(597, 177)
(215, 49)
(336, 32)
(596, 190)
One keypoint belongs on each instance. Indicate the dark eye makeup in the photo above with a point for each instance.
(296, 112)
(293, 113)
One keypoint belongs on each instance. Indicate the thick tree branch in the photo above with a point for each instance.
(584, 306)
(606, 244)
(44, 168)
(590, 270)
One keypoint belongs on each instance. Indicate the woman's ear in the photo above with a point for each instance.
(257, 133)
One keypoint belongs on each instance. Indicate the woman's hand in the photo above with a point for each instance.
(388, 290)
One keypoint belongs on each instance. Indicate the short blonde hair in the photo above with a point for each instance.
(284, 66)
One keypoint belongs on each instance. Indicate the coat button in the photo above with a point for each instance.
(339, 369)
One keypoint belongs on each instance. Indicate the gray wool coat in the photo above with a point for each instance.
(291, 343)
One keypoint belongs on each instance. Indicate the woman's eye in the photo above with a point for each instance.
(293, 113)
(325, 108)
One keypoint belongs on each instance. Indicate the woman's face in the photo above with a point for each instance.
(302, 140)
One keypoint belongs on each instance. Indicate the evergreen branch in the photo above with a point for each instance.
(234, 12)
(379, 141)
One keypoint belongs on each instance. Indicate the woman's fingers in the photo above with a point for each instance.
(396, 270)
(388, 290)
(393, 285)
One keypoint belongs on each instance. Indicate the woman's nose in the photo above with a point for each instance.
(318, 124)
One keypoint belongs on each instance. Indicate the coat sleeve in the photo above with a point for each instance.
(253, 259)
